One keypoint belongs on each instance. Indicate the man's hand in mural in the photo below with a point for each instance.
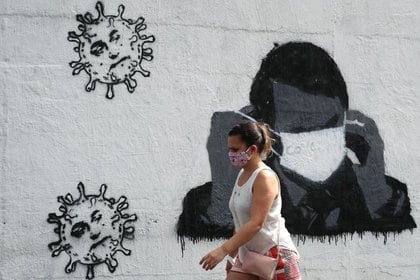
(213, 258)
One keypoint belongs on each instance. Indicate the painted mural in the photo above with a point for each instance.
(91, 230)
(329, 158)
(111, 49)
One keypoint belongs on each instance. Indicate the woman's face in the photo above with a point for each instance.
(235, 144)
(239, 153)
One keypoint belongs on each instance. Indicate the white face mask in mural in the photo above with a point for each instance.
(239, 158)
(315, 154)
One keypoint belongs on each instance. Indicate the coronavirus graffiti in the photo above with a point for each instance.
(111, 49)
(91, 230)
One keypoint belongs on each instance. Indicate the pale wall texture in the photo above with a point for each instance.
(151, 145)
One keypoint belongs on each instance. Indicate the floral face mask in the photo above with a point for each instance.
(239, 158)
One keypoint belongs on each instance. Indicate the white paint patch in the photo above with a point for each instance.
(315, 154)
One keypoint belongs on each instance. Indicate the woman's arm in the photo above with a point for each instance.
(265, 190)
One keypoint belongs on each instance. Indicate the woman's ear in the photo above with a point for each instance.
(254, 148)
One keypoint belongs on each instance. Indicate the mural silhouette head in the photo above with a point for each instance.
(296, 78)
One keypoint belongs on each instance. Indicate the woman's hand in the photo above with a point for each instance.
(229, 265)
(210, 260)
(231, 259)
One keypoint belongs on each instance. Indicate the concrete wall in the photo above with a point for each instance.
(150, 146)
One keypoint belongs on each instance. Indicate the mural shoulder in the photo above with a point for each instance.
(395, 214)
(194, 222)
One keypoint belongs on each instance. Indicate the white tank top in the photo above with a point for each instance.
(273, 231)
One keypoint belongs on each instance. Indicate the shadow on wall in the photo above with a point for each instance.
(329, 158)
(91, 230)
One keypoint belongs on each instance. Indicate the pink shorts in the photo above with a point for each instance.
(287, 266)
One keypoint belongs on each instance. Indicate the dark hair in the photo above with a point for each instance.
(254, 133)
(299, 64)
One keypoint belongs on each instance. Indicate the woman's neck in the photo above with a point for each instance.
(253, 164)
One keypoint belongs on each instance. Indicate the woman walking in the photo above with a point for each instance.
(261, 247)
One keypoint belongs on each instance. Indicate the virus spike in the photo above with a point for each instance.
(123, 250)
(122, 206)
(91, 84)
(72, 34)
(71, 266)
(62, 209)
(88, 17)
(81, 189)
(78, 66)
(148, 57)
(69, 198)
(109, 91)
(134, 63)
(102, 190)
(111, 263)
(147, 39)
(140, 27)
(76, 71)
(129, 218)
(54, 244)
(120, 11)
(53, 219)
(61, 199)
(73, 37)
(90, 274)
(147, 51)
(80, 18)
(114, 242)
(92, 201)
(100, 8)
(129, 230)
(122, 199)
(81, 27)
(143, 72)
(128, 235)
(75, 64)
(130, 83)
(57, 251)
(138, 21)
